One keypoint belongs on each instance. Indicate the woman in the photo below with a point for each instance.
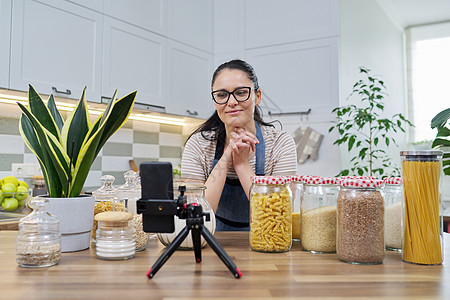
(235, 144)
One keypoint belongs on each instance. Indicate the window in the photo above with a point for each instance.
(428, 52)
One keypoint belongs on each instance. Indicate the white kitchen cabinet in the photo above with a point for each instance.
(133, 59)
(96, 5)
(189, 74)
(148, 14)
(56, 46)
(191, 23)
(5, 28)
(299, 76)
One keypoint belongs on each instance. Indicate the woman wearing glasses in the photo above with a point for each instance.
(235, 144)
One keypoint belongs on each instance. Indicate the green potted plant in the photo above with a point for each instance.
(65, 151)
(364, 130)
(442, 140)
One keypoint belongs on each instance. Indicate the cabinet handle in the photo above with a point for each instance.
(67, 92)
(192, 113)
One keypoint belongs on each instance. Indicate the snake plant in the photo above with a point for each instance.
(442, 139)
(66, 149)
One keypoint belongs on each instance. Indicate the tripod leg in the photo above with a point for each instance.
(170, 250)
(220, 252)
(197, 244)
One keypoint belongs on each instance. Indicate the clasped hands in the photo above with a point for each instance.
(241, 144)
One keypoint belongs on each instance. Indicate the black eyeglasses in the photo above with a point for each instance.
(241, 94)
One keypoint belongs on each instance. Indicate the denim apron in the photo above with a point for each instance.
(233, 212)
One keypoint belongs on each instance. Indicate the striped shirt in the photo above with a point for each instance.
(280, 155)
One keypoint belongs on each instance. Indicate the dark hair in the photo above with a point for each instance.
(214, 123)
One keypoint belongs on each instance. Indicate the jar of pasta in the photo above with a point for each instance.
(393, 196)
(270, 214)
(318, 214)
(297, 190)
(360, 221)
(422, 221)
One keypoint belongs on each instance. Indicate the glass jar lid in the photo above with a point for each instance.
(114, 218)
(270, 179)
(297, 178)
(422, 155)
(39, 216)
(361, 182)
(393, 180)
(317, 180)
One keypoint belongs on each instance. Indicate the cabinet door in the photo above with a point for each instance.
(191, 22)
(148, 14)
(56, 46)
(96, 5)
(189, 81)
(133, 59)
(5, 27)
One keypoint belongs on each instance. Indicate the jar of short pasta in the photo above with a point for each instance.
(360, 221)
(318, 214)
(393, 196)
(297, 190)
(270, 214)
(423, 239)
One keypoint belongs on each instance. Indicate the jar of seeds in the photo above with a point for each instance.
(393, 197)
(360, 221)
(39, 239)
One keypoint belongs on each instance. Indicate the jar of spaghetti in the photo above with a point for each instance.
(422, 222)
(360, 221)
(318, 214)
(270, 214)
(393, 195)
(297, 190)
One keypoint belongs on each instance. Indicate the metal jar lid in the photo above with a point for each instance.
(422, 155)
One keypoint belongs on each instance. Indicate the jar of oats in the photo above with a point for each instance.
(270, 214)
(393, 197)
(318, 214)
(360, 221)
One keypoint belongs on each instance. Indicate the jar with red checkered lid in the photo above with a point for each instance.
(360, 221)
(318, 214)
(393, 196)
(270, 214)
(297, 190)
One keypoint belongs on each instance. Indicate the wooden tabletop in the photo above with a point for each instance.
(295, 274)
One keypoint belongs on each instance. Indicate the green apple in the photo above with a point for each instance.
(11, 179)
(21, 203)
(21, 193)
(8, 189)
(2, 196)
(10, 204)
(23, 183)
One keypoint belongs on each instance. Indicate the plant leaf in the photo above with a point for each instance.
(41, 112)
(51, 105)
(440, 119)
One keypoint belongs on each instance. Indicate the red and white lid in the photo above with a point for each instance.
(297, 178)
(361, 182)
(270, 179)
(393, 180)
(321, 180)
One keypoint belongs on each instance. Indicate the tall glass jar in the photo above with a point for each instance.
(360, 221)
(318, 214)
(423, 240)
(393, 196)
(195, 193)
(116, 236)
(297, 190)
(270, 214)
(106, 199)
(39, 239)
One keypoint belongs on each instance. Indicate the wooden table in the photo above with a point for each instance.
(295, 274)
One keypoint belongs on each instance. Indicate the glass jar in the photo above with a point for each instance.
(423, 239)
(393, 196)
(195, 193)
(270, 214)
(39, 186)
(318, 214)
(297, 190)
(130, 192)
(106, 199)
(116, 236)
(360, 221)
(39, 239)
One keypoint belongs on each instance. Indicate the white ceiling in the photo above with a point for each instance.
(406, 13)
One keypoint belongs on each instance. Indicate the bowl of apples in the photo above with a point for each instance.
(14, 194)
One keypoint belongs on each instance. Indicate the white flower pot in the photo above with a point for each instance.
(76, 217)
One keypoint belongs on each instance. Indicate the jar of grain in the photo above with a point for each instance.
(116, 236)
(393, 196)
(423, 239)
(360, 221)
(318, 214)
(297, 190)
(39, 239)
(270, 214)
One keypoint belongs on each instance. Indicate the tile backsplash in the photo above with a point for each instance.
(137, 140)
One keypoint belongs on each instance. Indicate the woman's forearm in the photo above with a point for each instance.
(245, 173)
(215, 183)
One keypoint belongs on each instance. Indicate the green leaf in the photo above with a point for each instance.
(51, 105)
(387, 141)
(443, 132)
(375, 141)
(440, 119)
(440, 143)
(351, 141)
